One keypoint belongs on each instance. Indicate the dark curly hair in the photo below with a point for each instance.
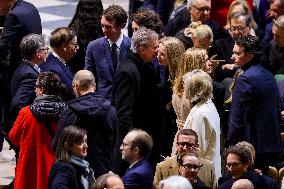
(250, 43)
(49, 82)
(148, 19)
(87, 21)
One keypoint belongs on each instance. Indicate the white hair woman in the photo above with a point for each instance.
(203, 118)
(175, 182)
(193, 58)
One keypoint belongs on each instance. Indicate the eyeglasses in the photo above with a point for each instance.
(190, 166)
(277, 24)
(124, 145)
(237, 28)
(187, 144)
(202, 9)
(43, 49)
(75, 44)
(236, 164)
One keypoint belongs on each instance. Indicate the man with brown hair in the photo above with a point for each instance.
(187, 141)
(104, 55)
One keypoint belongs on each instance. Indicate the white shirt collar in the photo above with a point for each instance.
(57, 56)
(118, 42)
(133, 164)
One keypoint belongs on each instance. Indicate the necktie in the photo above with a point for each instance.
(237, 74)
(114, 55)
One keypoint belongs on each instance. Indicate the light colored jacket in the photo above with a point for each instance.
(169, 167)
(204, 119)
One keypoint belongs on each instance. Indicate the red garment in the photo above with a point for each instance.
(36, 156)
(220, 10)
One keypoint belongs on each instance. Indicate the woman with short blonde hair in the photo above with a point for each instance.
(203, 118)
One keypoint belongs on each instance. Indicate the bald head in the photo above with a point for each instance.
(84, 82)
(243, 184)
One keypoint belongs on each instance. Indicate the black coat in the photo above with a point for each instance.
(64, 175)
(258, 181)
(136, 95)
(95, 114)
(137, 100)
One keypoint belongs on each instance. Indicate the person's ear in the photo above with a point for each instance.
(250, 56)
(142, 49)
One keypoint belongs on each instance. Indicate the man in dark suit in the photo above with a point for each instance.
(195, 10)
(34, 52)
(135, 149)
(64, 44)
(255, 110)
(104, 55)
(22, 18)
(94, 113)
(136, 94)
(238, 163)
(240, 25)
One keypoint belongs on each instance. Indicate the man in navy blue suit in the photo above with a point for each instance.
(135, 149)
(34, 52)
(104, 55)
(22, 18)
(238, 165)
(63, 42)
(255, 110)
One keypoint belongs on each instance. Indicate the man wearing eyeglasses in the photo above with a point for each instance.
(240, 25)
(276, 51)
(196, 10)
(34, 52)
(187, 141)
(237, 163)
(188, 167)
(135, 149)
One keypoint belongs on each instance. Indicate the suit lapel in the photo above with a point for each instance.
(31, 66)
(67, 72)
(122, 51)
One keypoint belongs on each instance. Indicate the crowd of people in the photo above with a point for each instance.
(193, 97)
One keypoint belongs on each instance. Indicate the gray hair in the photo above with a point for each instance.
(242, 16)
(142, 37)
(30, 44)
(243, 184)
(175, 182)
(192, 2)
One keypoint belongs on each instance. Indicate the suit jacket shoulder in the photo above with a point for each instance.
(140, 176)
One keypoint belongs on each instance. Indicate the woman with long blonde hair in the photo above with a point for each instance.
(193, 58)
(170, 52)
